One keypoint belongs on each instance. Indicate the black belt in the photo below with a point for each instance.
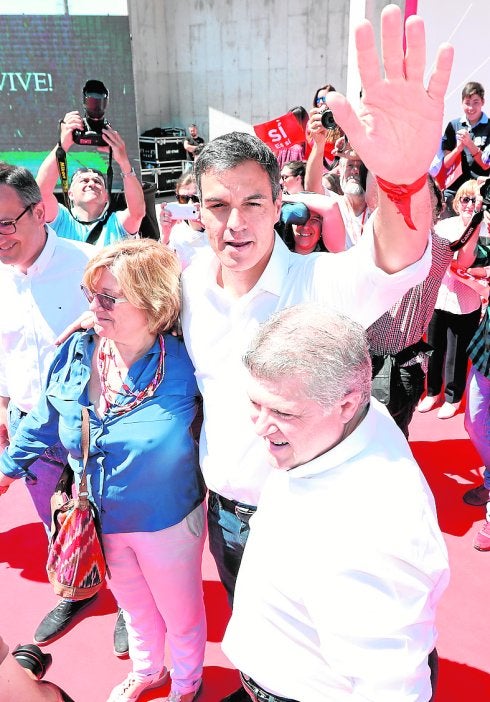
(241, 510)
(259, 694)
(407, 354)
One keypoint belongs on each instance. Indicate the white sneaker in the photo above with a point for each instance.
(448, 410)
(187, 697)
(428, 403)
(134, 686)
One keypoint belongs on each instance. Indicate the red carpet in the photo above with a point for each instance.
(83, 662)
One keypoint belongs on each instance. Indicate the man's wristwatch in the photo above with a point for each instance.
(129, 173)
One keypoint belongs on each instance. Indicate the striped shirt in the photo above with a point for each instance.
(407, 321)
(479, 347)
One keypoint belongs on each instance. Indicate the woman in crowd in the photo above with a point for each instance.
(320, 103)
(297, 151)
(184, 236)
(300, 229)
(293, 177)
(455, 319)
(138, 384)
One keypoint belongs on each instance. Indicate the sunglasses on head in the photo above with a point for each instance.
(184, 199)
(107, 302)
(465, 200)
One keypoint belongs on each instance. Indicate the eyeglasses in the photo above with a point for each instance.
(8, 226)
(465, 200)
(107, 302)
(184, 199)
(321, 100)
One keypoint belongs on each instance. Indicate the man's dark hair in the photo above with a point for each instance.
(233, 149)
(473, 88)
(86, 169)
(22, 181)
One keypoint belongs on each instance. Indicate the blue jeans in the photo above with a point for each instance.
(477, 417)
(47, 468)
(228, 534)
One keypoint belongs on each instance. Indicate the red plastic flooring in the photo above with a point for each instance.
(83, 662)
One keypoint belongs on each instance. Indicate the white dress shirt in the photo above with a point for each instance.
(36, 307)
(218, 328)
(344, 566)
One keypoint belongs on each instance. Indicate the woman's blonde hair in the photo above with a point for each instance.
(148, 275)
(470, 189)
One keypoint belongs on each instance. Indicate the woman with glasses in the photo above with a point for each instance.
(320, 104)
(293, 177)
(137, 381)
(455, 319)
(184, 236)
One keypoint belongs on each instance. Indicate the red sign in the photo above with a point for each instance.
(281, 132)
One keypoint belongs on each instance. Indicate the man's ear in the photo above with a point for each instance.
(350, 405)
(38, 212)
(278, 204)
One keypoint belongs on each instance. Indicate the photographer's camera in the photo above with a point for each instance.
(95, 99)
(328, 120)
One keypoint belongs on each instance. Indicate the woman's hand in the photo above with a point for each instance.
(480, 272)
(166, 223)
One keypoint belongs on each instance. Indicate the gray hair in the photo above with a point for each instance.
(22, 181)
(328, 351)
(231, 150)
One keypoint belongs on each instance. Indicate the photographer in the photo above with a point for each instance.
(88, 192)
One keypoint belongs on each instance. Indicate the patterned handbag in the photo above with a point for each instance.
(76, 564)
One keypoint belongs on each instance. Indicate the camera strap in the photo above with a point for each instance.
(468, 232)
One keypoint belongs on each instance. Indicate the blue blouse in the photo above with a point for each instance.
(143, 470)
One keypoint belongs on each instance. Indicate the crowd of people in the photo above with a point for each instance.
(302, 302)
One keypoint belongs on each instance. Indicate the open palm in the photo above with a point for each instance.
(398, 127)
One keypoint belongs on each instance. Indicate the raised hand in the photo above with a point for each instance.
(114, 140)
(398, 127)
(72, 120)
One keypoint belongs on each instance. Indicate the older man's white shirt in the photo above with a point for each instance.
(344, 566)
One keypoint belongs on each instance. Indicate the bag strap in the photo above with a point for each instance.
(83, 492)
(95, 232)
(468, 232)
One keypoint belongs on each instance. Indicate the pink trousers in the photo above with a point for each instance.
(157, 581)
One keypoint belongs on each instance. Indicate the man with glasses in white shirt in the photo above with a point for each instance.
(40, 285)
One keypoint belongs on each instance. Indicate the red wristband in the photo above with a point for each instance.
(401, 195)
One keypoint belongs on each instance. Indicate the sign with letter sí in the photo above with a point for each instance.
(280, 133)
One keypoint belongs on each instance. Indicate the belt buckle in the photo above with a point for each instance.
(243, 512)
(258, 694)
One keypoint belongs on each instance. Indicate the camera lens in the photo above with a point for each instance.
(327, 120)
(30, 657)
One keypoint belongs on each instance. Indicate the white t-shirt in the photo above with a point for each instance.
(344, 567)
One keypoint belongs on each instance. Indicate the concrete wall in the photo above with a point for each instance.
(228, 64)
